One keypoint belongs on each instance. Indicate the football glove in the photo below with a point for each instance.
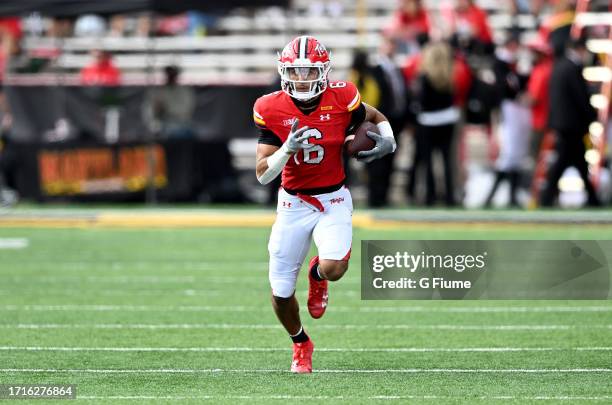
(296, 138)
(384, 145)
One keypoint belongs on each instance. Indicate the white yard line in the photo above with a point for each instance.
(105, 279)
(334, 371)
(159, 279)
(279, 349)
(254, 308)
(144, 291)
(154, 262)
(14, 243)
(325, 326)
(348, 397)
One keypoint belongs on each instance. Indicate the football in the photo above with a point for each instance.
(360, 140)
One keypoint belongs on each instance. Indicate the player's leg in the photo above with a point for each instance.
(556, 171)
(288, 246)
(500, 175)
(333, 236)
(581, 165)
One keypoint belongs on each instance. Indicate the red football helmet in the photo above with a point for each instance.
(303, 67)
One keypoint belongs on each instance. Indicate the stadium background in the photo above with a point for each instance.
(141, 288)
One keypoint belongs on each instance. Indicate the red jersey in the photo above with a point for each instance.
(537, 87)
(322, 165)
(475, 18)
(105, 74)
(408, 26)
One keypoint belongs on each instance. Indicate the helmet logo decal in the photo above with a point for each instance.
(320, 49)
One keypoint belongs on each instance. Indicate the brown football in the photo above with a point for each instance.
(361, 141)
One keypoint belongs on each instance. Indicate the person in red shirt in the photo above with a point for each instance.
(10, 35)
(537, 96)
(303, 130)
(102, 72)
(470, 27)
(408, 22)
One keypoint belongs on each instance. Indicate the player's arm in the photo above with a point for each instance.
(263, 153)
(385, 142)
(373, 115)
(271, 158)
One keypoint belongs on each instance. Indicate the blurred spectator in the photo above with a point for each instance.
(172, 25)
(11, 26)
(462, 75)
(333, 8)
(408, 22)
(556, 28)
(8, 158)
(102, 71)
(169, 109)
(412, 62)
(201, 24)
(118, 25)
(513, 129)
(10, 35)
(19, 62)
(61, 28)
(570, 115)
(536, 7)
(437, 115)
(90, 25)
(520, 7)
(393, 104)
(33, 25)
(144, 25)
(537, 96)
(137, 24)
(469, 27)
(362, 74)
(462, 83)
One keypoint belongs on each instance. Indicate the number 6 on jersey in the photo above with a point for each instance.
(313, 155)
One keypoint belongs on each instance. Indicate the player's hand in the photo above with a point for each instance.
(296, 138)
(384, 145)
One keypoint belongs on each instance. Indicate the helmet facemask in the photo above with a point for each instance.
(303, 80)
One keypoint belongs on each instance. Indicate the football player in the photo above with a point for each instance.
(303, 129)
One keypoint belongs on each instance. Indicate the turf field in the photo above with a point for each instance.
(135, 314)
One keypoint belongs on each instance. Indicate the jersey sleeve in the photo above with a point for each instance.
(266, 135)
(357, 118)
(350, 98)
(258, 114)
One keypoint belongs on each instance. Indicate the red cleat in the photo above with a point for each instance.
(317, 292)
(302, 357)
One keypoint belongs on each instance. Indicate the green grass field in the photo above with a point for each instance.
(160, 314)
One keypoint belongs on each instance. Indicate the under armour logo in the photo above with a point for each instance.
(325, 117)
